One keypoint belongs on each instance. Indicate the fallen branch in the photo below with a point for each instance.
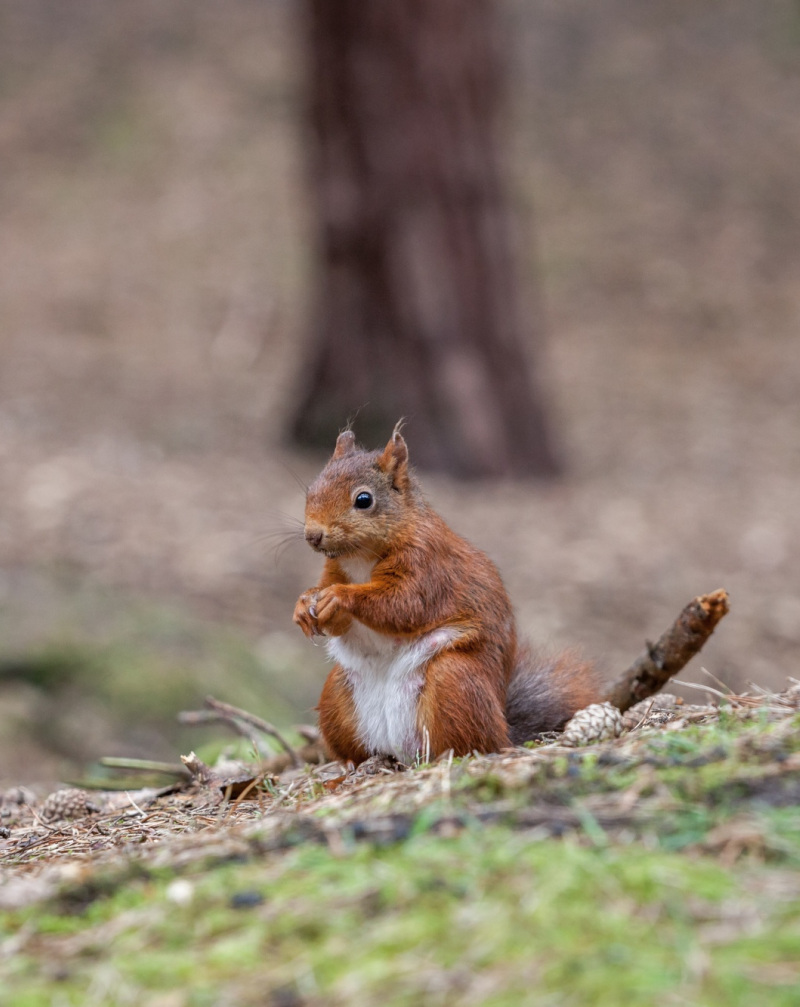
(241, 721)
(199, 718)
(673, 650)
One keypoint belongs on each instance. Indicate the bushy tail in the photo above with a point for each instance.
(546, 690)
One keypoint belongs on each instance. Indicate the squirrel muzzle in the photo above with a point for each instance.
(315, 536)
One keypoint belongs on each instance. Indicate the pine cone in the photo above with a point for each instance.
(597, 722)
(17, 796)
(69, 803)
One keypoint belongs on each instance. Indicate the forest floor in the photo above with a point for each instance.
(661, 867)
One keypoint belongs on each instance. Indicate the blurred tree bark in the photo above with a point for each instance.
(419, 312)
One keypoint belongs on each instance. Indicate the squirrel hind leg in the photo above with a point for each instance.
(338, 720)
(460, 708)
(546, 690)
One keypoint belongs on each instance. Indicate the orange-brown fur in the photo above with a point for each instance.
(424, 579)
(337, 719)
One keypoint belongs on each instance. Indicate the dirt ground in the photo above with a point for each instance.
(156, 263)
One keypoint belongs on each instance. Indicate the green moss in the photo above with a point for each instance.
(620, 911)
(413, 922)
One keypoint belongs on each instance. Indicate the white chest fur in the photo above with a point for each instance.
(386, 675)
(358, 570)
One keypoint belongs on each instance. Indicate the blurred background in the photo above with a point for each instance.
(166, 262)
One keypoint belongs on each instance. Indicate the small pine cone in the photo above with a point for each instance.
(70, 803)
(18, 796)
(597, 722)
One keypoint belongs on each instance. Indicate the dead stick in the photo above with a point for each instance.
(199, 770)
(198, 718)
(261, 725)
(674, 649)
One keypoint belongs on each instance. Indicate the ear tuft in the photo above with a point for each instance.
(394, 459)
(345, 444)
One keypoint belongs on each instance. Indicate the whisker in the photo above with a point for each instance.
(275, 543)
(287, 524)
(289, 530)
(280, 550)
(279, 533)
(291, 519)
(295, 477)
(277, 538)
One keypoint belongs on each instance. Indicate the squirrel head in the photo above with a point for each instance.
(357, 503)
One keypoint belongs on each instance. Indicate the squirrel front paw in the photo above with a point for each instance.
(332, 618)
(305, 613)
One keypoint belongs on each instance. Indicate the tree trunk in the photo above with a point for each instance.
(419, 310)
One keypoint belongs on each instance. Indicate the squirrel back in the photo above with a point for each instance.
(419, 623)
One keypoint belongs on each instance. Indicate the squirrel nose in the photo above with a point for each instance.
(314, 537)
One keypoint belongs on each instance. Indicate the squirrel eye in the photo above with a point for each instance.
(363, 500)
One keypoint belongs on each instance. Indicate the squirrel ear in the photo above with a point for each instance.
(345, 444)
(394, 459)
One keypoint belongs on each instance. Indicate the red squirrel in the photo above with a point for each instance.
(419, 624)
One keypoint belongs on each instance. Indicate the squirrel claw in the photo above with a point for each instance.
(305, 613)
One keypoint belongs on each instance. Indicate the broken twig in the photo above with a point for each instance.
(200, 771)
(241, 721)
(673, 650)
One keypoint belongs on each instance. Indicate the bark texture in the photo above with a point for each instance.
(419, 311)
(674, 649)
